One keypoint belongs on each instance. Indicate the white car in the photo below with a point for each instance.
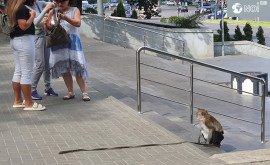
(170, 3)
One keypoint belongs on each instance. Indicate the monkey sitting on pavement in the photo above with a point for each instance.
(211, 130)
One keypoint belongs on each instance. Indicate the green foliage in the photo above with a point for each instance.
(92, 1)
(248, 32)
(134, 15)
(163, 19)
(120, 10)
(192, 21)
(226, 32)
(114, 13)
(91, 10)
(238, 34)
(260, 36)
(216, 38)
(147, 5)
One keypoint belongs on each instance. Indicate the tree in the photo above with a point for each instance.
(134, 14)
(226, 32)
(260, 36)
(147, 5)
(238, 34)
(119, 11)
(248, 32)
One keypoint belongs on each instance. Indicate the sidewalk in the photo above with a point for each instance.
(104, 122)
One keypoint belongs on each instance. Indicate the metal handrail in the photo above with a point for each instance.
(192, 61)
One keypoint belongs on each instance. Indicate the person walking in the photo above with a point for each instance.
(22, 43)
(68, 60)
(42, 53)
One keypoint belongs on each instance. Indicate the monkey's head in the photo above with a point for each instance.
(200, 115)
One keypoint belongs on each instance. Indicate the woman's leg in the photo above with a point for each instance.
(17, 93)
(68, 81)
(81, 83)
(27, 58)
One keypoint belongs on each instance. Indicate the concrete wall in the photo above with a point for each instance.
(242, 47)
(194, 43)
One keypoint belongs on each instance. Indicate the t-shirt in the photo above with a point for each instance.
(22, 13)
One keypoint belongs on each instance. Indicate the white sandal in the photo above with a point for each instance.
(85, 97)
(20, 105)
(35, 107)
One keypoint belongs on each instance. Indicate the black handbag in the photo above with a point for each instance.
(57, 35)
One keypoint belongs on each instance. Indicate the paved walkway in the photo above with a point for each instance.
(104, 122)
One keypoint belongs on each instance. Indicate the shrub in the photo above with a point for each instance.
(114, 13)
(260, 36)
(192, 21)
(134, 14)
(216, 38)
(248, 32)
(91, 10)
(226, 32)
(163, 19)
(120, 10)
(238, 34)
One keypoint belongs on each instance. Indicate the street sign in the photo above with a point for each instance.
(248, 8)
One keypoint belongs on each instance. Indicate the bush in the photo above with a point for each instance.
(91, 10)
(226, 32)
(119, 11)
(260, 36)
(192, 21)
(163, 19)
(238, 34)
(248, 32)
(216, 38)
(134, 14)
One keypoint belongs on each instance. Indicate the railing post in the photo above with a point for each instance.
(104, 24)
(263, 114)
(125, 36)
(138, 71)
(163, 43)
(191, 93)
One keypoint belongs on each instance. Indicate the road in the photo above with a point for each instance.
(168, 11)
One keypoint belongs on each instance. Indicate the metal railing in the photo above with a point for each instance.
(132, 36)
(191, 91)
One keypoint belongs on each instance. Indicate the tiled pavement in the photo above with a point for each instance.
(37, 137)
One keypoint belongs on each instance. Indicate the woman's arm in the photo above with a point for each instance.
(25, 24)
(47, 21)
(39, 18)
(76, 21)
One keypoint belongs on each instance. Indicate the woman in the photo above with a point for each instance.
(42, 53)
(22, 43)
(67, 60)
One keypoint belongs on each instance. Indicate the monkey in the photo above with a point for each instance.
(211, 130)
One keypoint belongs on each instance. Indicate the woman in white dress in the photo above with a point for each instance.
(68, 60)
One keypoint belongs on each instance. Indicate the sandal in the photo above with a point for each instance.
(22, 105)
(85, 97)
(69, 96)
(35, 107)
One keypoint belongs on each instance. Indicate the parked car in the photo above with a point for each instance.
(182, 9)
(170, 3)
(218, 16)
(128, 11)
(188, 3)
(85, 7)
(204, 10)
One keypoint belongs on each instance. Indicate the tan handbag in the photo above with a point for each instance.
(57, 35)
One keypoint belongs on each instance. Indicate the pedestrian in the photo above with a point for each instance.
(68, 60)
(42, 53)
(22, 43)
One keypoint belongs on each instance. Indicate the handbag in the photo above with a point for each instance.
(57, 35)
(5, 24)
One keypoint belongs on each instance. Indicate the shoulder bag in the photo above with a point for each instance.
(5, 24)
(57, 35)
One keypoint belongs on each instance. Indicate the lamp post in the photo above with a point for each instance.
(100, 7)
(222, 28)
